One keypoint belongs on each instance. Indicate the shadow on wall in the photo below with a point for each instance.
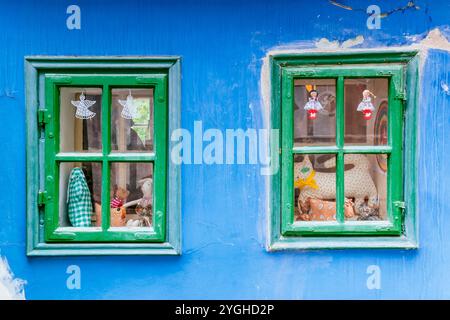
(10, 288)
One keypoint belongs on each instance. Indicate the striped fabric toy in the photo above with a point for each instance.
(116, 202)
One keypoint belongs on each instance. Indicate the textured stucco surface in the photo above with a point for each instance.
(223, 45)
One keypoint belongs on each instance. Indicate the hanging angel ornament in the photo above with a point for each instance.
(366, 106)
(83, 106)
(313, 105)
(129, 107)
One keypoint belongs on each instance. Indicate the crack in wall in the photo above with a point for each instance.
(409, 6)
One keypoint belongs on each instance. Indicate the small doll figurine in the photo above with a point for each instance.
(313, 105)
(366, 105)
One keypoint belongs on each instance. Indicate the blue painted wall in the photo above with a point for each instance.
(224, 207)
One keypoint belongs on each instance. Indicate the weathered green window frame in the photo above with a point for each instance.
(400, 230)
(44, 77)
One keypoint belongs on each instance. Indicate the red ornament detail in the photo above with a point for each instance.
(367, 113)
(312, 114)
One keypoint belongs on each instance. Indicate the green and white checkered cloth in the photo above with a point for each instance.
(79, 199)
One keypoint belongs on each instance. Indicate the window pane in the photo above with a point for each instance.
(132, 120)
(315, 112)
(80, 185)
(366, 186)
(131, 194)
(80, 119)
(315, 187)
(366, 116)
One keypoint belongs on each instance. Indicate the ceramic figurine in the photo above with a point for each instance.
(313, 105)
(366, 106)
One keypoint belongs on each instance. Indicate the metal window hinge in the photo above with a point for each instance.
(42, 195)
(401, 205)
(401, 96)
(43, 116)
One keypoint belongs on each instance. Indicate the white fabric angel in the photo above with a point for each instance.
(129, 108)
(83, 106)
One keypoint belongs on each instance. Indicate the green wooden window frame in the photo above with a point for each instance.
(44, 77)
(399, 230)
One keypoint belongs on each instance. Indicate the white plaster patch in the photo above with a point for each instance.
(326, 44)
(10, 288)
(352, 42)
(435, 40)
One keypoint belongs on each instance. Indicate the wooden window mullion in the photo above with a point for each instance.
(106, 149)
(340, 132)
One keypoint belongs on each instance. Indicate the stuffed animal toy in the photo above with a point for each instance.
(144, 206)
(322, 185)
(118, 217)
(118, 211)
(120, 195)
(368, 213)
(322, 210)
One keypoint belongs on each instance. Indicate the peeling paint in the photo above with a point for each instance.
(445, 87)
(10, 288)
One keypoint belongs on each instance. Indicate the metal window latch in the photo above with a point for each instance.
(400, 204)
(43, 116)
(401, 96)
(41, 198)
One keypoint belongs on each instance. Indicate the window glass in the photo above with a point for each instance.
(132, 120)
(131, 194)
(80, 186)
(366, 111)
(80, 119)
(315, 187)
(315, 112)
(366, 186)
